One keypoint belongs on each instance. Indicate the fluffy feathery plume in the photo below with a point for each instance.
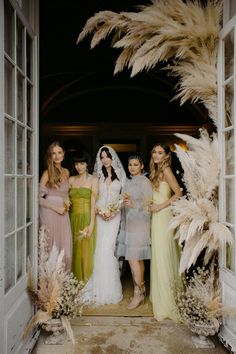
(184, 33)
(196, 215)
(201, 164)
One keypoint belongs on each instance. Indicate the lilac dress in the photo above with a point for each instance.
(58, 226)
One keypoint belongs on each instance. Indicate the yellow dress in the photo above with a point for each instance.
(164, 260)
(83, 250)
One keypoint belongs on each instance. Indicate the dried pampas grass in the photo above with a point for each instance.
(58, 291)
(183, 33)
(196, 215)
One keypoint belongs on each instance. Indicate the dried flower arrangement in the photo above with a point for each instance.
(196, 215)
(199, 301)
(182, 35)
(58, 292)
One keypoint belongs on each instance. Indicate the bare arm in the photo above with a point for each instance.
(71, 181)
(94, 195)
(42, 196)
(169, 177)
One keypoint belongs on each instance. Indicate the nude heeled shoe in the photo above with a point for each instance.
(137, 299)
(143, 290)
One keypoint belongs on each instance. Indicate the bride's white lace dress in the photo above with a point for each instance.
(104, 286)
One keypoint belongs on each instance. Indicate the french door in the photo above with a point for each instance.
(18, 166)
(226, 133)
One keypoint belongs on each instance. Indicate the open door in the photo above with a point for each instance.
(227, 195)
(18, 166)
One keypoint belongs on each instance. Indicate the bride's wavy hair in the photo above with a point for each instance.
(104, 171)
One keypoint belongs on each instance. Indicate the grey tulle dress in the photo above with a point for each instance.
(134, 240)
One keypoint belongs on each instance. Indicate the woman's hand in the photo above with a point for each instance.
(127, 200)
(59, 210)
(97, 209)
(89, 230)
(153, 207)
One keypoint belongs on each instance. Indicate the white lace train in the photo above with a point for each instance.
(104, 286)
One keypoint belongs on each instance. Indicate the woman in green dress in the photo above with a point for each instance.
(165, 250)
(83, 195)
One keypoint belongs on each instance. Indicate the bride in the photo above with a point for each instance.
(104, 286)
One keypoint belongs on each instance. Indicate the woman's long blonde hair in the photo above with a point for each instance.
(54, 173)
(156, 170)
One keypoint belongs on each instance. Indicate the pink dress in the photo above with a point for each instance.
(58, 226)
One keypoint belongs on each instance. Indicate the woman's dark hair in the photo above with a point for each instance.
(178, 171)
(81, 156)
(104, 171)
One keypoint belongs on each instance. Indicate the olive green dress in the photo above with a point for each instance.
(83, 249)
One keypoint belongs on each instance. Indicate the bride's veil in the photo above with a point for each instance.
(116, 164)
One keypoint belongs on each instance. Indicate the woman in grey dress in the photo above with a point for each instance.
(134, 237)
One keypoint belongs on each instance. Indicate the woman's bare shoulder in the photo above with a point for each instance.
(66, 172)
(44, 178)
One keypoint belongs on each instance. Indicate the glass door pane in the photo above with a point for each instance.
(9, 276)
(9, 146)
(8, 29)
(9, 91)
(20, 149)
(20, 249)
(20, 97)
(9, 204)
(20, 44)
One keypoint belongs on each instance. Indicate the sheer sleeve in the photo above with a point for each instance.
(141, 194)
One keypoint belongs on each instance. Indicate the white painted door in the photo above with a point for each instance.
(18, 166)
(227, 195)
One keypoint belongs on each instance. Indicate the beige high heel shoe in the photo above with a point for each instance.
(143, 290)
(137, 299)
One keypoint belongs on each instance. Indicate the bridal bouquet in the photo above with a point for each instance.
(110, 209)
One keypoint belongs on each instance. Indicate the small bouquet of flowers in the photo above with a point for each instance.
(111, 208)
(126, 195)
(148, 205)
(83, 233)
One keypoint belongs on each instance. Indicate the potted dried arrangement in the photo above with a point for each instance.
(57, 297)
(199, 305)
(200, 233)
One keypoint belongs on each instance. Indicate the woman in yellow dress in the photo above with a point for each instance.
(165, 250)
(83, 195)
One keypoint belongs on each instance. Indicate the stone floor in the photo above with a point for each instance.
(127, 335)
(112, 329)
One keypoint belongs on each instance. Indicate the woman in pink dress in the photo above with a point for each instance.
(54, 203)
